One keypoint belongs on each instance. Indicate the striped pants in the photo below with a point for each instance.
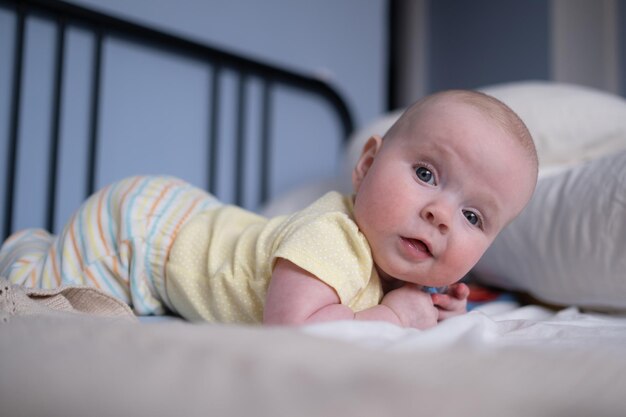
(117, 241)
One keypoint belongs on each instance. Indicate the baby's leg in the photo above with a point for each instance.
(117, 241)
(24, 259)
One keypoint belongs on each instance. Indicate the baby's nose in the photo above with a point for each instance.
(438, 215)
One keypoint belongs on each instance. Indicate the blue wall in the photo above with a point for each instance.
(479, 42)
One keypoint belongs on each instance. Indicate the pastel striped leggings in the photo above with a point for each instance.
(118, 241)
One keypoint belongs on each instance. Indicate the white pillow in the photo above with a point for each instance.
(569, 244)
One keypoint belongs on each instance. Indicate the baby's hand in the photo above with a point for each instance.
(413, 307)
(453, 302)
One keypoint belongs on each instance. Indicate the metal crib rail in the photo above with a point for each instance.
(103, 26)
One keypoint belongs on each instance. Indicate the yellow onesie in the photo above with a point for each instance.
(221, 262)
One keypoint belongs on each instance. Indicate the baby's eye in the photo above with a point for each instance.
(425, 175)
(472, 217)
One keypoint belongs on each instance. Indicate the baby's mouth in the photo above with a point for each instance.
(418, 245)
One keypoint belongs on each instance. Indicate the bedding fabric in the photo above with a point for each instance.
(498, 360)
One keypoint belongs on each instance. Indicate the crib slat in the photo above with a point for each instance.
(240, 129)
(55, 133)
(12, 149)
(266, 114)
(213, 128)
(94, 113)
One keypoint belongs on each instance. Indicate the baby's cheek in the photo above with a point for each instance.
(460, 262)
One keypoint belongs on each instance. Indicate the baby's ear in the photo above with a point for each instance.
(370, 149)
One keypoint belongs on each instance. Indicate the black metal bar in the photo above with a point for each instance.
(393, 10)
(56, 125)
(240, 129)
(266, 115)
(214, 129)
(94, 120)
(16, 99)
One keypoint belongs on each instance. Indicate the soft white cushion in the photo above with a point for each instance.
(569, 244)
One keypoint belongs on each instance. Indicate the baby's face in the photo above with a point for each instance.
(433, 197)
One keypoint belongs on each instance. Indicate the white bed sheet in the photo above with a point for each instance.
(493, 325)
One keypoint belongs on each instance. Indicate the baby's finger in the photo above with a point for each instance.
(447, 304)
(453, 307)
(459, 290)
(445, 301)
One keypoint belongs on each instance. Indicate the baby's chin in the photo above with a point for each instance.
(400, 279)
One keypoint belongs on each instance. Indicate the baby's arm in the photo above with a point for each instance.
(295, 296)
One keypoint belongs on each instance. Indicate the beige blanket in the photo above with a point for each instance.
(66, 300)
(71, 364)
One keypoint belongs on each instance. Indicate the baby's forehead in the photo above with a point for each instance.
(440, 108)
(439, 119)
(482, 110)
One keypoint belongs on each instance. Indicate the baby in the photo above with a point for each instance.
(429, 198)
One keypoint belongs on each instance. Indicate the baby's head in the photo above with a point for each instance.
(430, 197)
